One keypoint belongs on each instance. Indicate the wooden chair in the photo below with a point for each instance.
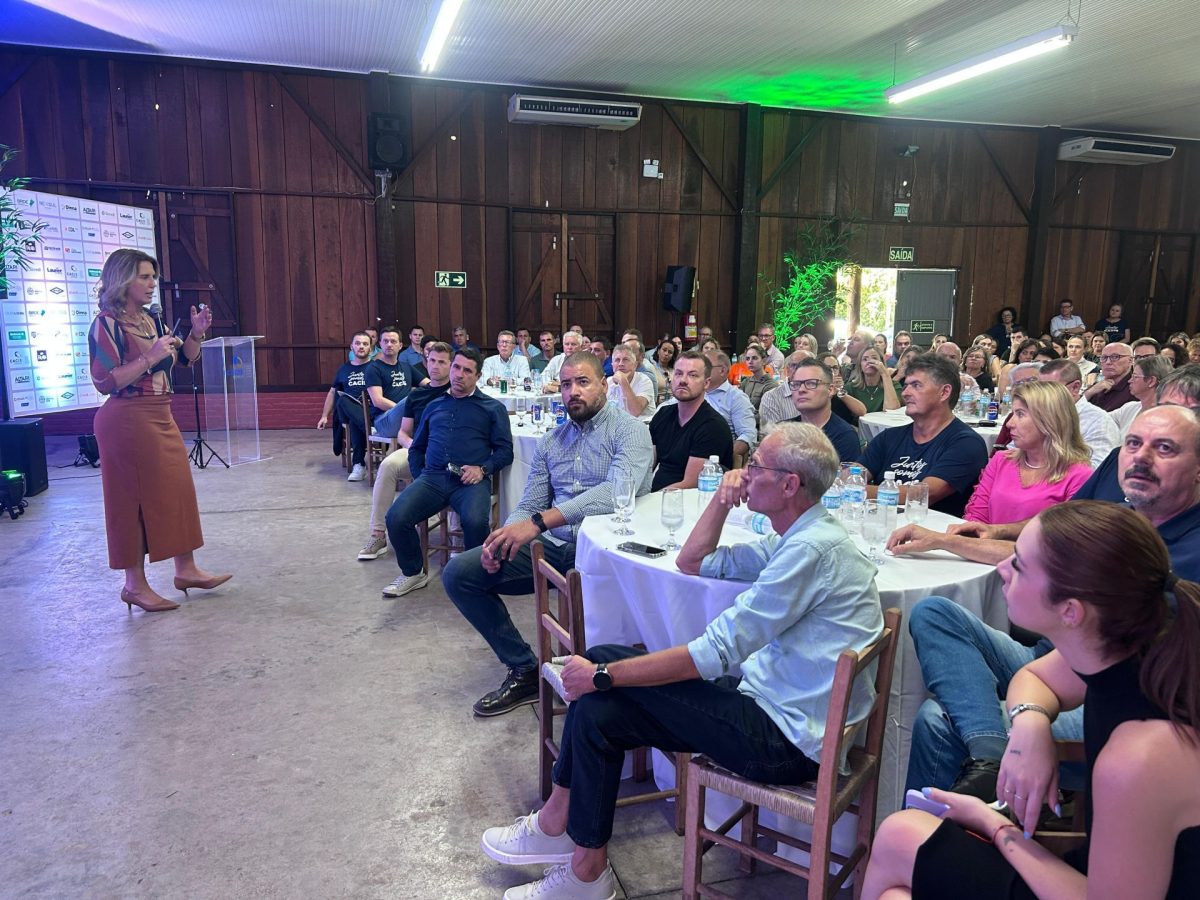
(438, 537)
(819, 804)
(562, 634)
(378, 446)
(1061, 842)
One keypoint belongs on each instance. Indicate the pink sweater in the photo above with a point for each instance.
(1000, 498)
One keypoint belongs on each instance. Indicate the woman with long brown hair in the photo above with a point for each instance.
(1125, 631)
(149, 498)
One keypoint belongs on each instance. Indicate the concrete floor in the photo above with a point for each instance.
(290, 734)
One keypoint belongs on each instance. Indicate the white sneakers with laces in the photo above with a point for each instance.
(406, 584)
(524, 842)
(357, 473)
(560, 883)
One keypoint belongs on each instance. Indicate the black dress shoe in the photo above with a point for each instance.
(977, 778)
(517, 690)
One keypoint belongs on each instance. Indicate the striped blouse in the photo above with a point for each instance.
(111, 345)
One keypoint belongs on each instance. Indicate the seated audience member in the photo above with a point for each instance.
(388, 379)
(546, 347)
(1066, 323)
(709, 346)
(936, 448)
(858, 342)
(525, 346)
(602, 350)
(571, 476)
(373, 334)
(977, 364)
(776, 404)
(1047, 464)
(687, 432)
(1045, 354)
(870, 384)
(678, 342)
(705, 333)
(938, 340)
(1115, 327)
(759, 381)
(571, 343)
(812, 395)
(1024, 353)
(959, 736)
(1002, 331)
(901, 368)
(807, 342)
(845, 407)
(880, 342)
(342, 404)
(988, 344)
(394, 468)
(1087, 368)
(1148, 373)
(900, 344)
(811, 595)
(463, 438)
(1193, 351)
(1174, 355)
(1099, 431)
(1179, 339)
(631, 337)
(766, 338)
(1096, 347)
(507, 364)
(1112, 391)
(463, 339)
(733, 405)
(629, 389)
(1145, 346)
(664, 363)
(1019, 374)
(951, 351)
(414, 353)
(1125, 639)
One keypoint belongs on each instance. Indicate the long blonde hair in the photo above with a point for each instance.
(120, 270)
(1054, 415)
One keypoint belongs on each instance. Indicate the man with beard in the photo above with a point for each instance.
(687, 432)
(571, 476)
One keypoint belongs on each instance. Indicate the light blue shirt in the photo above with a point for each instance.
(411, 356)
(813, 596)
(575, 465)
(497, 367)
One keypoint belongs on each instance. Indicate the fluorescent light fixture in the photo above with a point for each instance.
(440, 33)
(1017, 51)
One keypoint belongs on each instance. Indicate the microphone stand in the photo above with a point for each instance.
(199, 445)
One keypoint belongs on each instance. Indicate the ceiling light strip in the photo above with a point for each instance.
(440, 33)
(1015, 52)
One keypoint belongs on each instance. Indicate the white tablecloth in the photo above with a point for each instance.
(510, 398)
(512, 479)
(630, 599)
(873, 423)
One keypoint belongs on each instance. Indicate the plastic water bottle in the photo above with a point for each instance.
(854, 496)
(832, 498)
(1006, 402)
(888, 496)
(709, 481)
(985, 400)
(746, 518)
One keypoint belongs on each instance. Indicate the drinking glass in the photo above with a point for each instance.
(535, 411)
(874, 529)
(520, 403)
(624, 495)
(672, 515)
(916, 504)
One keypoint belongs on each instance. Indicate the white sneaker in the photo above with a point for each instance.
(524, 842)
(560, 883)
(374, 548)
(406, 584)
(358, 473)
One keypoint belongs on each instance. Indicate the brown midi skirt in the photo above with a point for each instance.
(149, 498)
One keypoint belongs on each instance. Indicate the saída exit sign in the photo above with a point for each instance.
(901, 254)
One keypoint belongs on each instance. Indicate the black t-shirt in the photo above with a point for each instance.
(706, 434)
(956, 454)
(842, 411)
(351, 379)
(419, 399)
(1115, 330)
(396, 380)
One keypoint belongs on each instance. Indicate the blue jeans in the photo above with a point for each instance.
(476, 592)
(695, 716)
(967, 666)
(424, 497)
(388, 423)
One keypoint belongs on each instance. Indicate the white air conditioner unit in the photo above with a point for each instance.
(1114, 150)
(612, 115)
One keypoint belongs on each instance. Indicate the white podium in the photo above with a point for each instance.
(231, 397)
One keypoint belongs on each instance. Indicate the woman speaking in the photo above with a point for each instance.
(149, 499)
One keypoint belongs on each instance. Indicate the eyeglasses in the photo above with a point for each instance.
(1113, 357)
(754, 468)
(809, 384)
(764, 336)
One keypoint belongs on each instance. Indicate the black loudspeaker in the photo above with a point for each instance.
(678, 288)
(23, 447)
(387, 142)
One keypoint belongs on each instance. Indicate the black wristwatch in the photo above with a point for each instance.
(601, 680)
(537, 520)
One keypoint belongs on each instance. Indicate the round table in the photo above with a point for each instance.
(510, 398)
(873, 423)
(513, 478)
(630, 599)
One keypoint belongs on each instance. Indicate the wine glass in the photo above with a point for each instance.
(672, 515)
(520, 404)
(623, 501)
(874, 529)
(916, 504)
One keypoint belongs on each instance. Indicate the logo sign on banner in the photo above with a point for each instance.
(450, 279)
(46, 317)
(920, 326)
(901, 254)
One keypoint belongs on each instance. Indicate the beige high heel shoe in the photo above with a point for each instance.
(133, 599)
(184, 584)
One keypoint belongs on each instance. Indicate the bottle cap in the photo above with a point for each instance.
(887, 475)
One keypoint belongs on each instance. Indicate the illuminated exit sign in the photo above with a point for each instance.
(901, 254)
